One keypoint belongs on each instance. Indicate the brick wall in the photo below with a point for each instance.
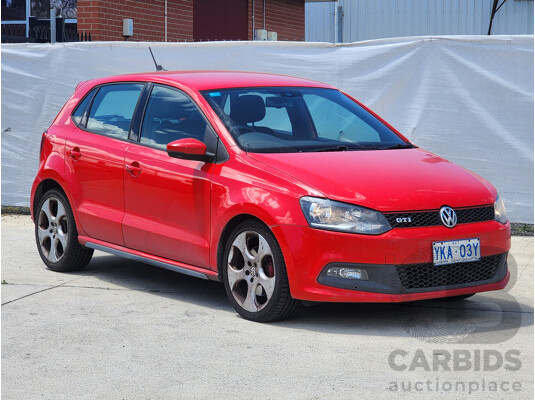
(286, 17)
(104, 19)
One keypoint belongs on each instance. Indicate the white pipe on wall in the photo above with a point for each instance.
(165, 19)
(253, 22)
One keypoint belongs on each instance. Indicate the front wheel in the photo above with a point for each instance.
(254, 274)
(56, 234)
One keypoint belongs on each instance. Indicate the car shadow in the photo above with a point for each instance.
(468, 321)
(480, 319)
(117, 272)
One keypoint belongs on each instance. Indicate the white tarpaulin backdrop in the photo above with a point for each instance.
(467, 98)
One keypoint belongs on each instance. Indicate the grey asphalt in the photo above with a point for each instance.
(125, 330)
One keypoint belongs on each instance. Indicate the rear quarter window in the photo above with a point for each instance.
(79, 115)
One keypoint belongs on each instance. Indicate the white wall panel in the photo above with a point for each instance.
(468, 99)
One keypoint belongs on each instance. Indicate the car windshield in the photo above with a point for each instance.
(299, 119)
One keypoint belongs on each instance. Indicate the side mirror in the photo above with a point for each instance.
(189, 149)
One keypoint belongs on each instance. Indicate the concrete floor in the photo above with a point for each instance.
(124, 330)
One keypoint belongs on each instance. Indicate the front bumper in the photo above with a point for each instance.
(388, 258)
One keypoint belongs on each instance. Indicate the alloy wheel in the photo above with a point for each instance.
(250, 272)
(53, 229)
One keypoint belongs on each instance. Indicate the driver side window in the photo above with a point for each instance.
(171, 115)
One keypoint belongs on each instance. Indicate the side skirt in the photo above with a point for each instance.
(150, 259)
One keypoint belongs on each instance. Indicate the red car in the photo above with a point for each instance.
(282, 188)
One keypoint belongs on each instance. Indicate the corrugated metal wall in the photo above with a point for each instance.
(374, 19)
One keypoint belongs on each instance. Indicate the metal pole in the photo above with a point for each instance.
(335, 23)
(52, 25)
(27, 18)
(264, 13)
(340, 24)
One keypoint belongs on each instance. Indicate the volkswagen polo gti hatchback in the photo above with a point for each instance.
(282, 188)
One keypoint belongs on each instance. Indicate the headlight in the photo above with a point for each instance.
(336, 216)
(500, 214)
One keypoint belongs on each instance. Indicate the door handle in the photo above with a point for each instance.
(75, 153)
(134, 169)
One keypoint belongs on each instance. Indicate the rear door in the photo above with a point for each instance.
(167, 200)
(95, 154)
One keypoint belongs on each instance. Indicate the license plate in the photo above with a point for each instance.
(456, 251)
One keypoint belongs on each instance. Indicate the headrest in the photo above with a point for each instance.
(248, 108)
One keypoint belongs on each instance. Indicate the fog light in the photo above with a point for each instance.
(348, 273)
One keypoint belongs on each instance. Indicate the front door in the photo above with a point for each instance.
(167, 200)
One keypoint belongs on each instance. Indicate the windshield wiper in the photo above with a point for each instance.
(399, 146)
(332, 148)
(359, 147)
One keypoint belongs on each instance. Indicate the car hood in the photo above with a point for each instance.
(385, 180)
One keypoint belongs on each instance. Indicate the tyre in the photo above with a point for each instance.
(254, 274)
(56, 234)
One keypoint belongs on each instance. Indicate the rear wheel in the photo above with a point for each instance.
(56, 234)
(254, 274)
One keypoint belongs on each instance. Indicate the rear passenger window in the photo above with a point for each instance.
(113, 108)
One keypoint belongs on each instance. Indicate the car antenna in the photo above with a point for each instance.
(158, 66)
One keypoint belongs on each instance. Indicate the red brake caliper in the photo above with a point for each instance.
(270, 269)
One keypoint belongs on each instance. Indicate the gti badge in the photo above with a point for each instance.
(403, 219)
(448, 217)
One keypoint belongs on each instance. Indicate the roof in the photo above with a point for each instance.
(204, 80)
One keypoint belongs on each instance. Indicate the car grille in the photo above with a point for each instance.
(418, 276)
(432, 218)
